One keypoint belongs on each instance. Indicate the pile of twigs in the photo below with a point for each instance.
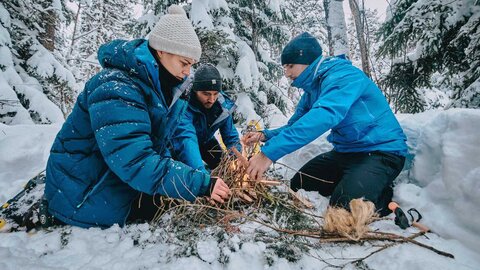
(258, 202)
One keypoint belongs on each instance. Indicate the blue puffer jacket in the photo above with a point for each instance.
(202, 133)
(115, 143)
(340, 97)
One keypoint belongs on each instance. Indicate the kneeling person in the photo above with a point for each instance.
(210, 110)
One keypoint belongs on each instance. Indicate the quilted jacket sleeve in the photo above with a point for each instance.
(122, 127)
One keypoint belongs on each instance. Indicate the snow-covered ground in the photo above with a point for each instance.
(441, 180)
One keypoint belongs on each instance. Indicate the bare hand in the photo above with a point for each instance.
(257, 166)
(253, 137)
(220, 191)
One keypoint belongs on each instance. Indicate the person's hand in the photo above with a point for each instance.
(219, 190)
(257, 166)
(253, 137)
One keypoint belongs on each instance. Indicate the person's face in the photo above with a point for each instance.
(207, 98)
(292, 71)
(178, 66)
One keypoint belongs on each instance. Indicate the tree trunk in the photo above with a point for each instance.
(360, 36)
(254, 30)
(326, 6)
(336, 27)
(74, 35)
(47, 38)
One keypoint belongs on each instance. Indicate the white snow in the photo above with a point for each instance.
(247, 69)
(47, 66)
(440, 180)
(24, 151)
(245, 108)
(21, 114)
(275, 117)
(4, 16)
(447, 168)
(336, 20)
(199, 13)
(208, 250)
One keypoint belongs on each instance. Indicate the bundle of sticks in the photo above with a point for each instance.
(232, 170)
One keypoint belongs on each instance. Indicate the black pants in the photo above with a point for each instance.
(145, 207)
(211, 153)
(354, 175)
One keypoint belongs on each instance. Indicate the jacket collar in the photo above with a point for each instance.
(146, 59)
(307, 77)
(227, 106)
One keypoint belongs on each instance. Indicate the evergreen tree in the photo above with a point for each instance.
(262, 27)
(427, 37)
(308, 16)
(151, 13)
(101, 21)
(32, 70)
(242, 38)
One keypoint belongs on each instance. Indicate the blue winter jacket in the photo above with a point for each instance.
(116, 143)
(340, 97)
(202, 133)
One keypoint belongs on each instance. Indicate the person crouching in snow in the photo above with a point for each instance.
(116, 144)
(369, 146)
(209, 109)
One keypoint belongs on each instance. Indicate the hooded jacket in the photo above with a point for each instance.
(202, 132)
(341, 98)
(116, 143)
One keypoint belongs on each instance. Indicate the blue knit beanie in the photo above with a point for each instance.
(303, 49)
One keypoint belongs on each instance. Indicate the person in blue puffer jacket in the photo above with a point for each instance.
(209, 109)
(369, 146)
(115, 148)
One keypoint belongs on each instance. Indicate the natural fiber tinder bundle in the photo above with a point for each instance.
(351, 224)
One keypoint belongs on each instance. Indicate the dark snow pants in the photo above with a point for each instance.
(145, 207)
(354, 175)
(211, 153)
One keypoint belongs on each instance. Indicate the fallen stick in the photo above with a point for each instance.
(243, 160)
(304, 201)
(244, 196)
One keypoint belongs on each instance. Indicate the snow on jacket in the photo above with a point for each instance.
(202, 133)
(340, 97)
(116, 143)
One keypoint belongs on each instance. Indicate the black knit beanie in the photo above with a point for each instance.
(303, 49)
(207, 78)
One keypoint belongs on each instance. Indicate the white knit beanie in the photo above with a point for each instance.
(174, 34)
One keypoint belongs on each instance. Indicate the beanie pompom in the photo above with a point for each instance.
(176, 10)
(174, 33)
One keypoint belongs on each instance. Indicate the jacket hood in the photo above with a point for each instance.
(133, 57)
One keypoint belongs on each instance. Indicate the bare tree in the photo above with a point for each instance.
(336, 27)
(359, 23)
